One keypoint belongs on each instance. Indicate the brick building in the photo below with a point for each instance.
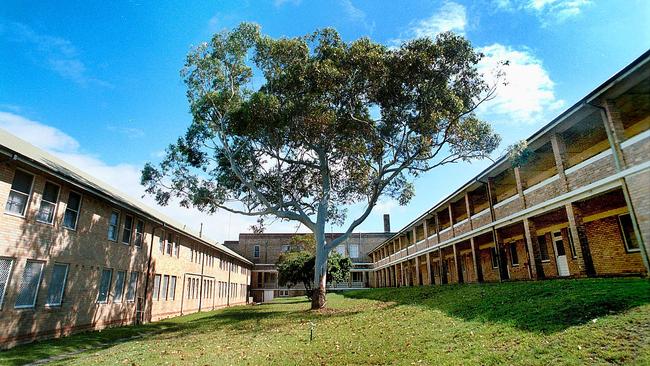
(76, 254)
(578, 206)
(264, 250)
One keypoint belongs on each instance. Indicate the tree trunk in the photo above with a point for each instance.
(320, 273)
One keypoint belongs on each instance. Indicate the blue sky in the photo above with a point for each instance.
(98, 84)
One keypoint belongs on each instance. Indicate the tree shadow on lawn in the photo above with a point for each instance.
(542, 306)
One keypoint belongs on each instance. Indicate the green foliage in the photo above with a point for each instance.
(296, 267)
(305, 242)
(519, 154)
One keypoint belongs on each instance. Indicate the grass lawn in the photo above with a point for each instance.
(589, 321)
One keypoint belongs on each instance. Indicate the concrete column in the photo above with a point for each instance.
(437, 227)
(491, 197)
(468, 207)
(615, 131)
(534, 254)
(443, 268)
(417, 271)
(476, 257)
(577, 228)
(429, 272)
(502, 258)
(639, 183)
(401, 274)
(559, 153)
(451, 220)
(459, 270)
(521, 185)
(426, 232)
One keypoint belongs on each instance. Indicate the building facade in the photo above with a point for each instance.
(75, 254)
(577, 204)
(264, 250)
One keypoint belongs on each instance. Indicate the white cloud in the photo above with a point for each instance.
(126, 178)
(450, 17)
(279, 3)
(529, 91)
(357, 15)
(55, 53)
(547, 10)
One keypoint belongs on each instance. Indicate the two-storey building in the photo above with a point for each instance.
(76, 254)
(578, 204)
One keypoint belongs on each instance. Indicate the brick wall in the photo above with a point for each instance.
(608, 250)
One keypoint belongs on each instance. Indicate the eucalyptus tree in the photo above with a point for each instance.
(303, 128)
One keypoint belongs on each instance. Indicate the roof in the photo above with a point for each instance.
(639, 62)
(22, 150)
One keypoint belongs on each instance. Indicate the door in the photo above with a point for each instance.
(268, 295)
(560, 254)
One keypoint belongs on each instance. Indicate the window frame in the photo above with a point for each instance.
(108, 288)
(156, 294)
(55, 203)
(494, 257)
(9, 275)
(135, 286)
(620, 227)
(136, 233)
(65, 281)
(256, 251)
(117, 226)
(539, 243)
(130, 230)
(29, 194)
(77, 212)
(38, 285)
(172, 287)
(511, 245)
(121, 293)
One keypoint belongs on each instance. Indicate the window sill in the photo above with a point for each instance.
(546, 261)
(15, 215)
(53, 306)
(631, 251)
(24, 307)
(70, 228)
(45, 222)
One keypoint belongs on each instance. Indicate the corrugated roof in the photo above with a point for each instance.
(44, 160)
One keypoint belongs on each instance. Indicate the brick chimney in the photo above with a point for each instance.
(386, 223)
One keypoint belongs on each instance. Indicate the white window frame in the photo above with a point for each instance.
(358, 254)
(38, 285)
(172, 289)
(117, 226)
(122, 292)
(65, 281)
(77, 212)
(494, 255)
(153, 292)
(130, 230)
(135, 286)
(55, 203)
(29, 195)
(510, 245)
(625, 243)
(548, 255)
(141, 234)
(4, 290)
(108, 288)
(285, 248)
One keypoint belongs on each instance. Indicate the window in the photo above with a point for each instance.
(48, 203)
(139, 233)
(572, 245)
(5, 271)
(177, 248)
(156, 287)
(57, 284)
(559, 243)
(341, 249)
(514, 258)
(161, 243)
(19, 193)
(170, 243)
(165, 287)
(72, 211)
(543, 248)
(285, 248)
(127, 229)
(133, 286)
(120, 277)
(354, 250)
(29, 284)
(256, 251)
(494, 256)
(627, 231)
(104, 285)
(172, 288)
(112, 225)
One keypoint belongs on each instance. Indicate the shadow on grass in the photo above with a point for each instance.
(542, 307)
